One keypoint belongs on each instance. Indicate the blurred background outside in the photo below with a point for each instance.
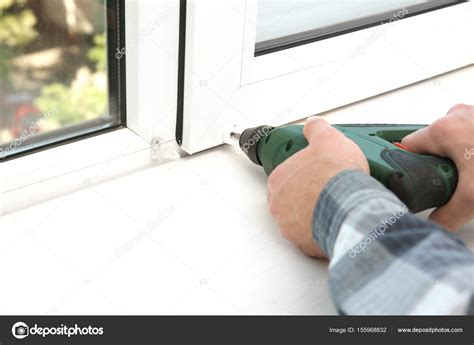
(53, 65)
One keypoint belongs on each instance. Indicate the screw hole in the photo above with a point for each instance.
(289, 145)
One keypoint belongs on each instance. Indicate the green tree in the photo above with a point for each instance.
(16, 29)
(97, 53)
(84, 98)
(74, 105)
(78, 103)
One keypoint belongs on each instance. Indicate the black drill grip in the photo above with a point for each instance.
(421, 182)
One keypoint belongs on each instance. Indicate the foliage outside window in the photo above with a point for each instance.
(53, 65)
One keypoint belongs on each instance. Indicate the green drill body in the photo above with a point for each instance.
(420, 181)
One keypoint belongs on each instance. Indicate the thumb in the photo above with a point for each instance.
(313, 127)
(422, 141)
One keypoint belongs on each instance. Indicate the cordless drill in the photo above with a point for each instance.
(420, 181)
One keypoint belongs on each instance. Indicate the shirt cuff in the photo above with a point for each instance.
(343, 195)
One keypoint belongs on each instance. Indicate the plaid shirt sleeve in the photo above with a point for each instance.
(385, 260)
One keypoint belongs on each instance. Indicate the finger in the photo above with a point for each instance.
(422, 141)
(319, 132)
(458, 211)
(459, 109)
(313, 126)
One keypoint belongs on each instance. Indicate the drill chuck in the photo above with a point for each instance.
(250, 139)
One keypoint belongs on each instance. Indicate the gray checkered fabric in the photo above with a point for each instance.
(385, 260)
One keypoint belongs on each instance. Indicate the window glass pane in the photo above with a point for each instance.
(54, 71)
(282, 22)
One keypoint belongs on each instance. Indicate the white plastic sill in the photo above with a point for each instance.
(42, 176)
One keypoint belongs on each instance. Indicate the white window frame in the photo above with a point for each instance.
(227, 86)
(152, 29)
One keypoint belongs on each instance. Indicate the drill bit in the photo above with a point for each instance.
(235, 136)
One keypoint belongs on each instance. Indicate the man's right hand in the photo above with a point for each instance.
(453, 137)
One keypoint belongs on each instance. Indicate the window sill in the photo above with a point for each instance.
(48, 174)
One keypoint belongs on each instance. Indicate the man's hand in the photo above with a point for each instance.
(295, 185)
(452, 137)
